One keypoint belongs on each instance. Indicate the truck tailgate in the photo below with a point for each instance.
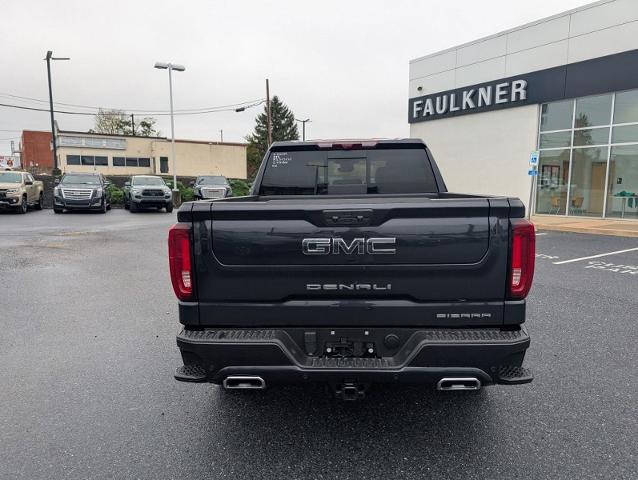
(445, 250)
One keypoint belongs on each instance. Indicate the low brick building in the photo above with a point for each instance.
(35, 151)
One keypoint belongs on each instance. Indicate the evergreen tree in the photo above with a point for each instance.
(284, 127)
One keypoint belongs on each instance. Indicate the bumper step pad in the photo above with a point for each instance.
(511, 375)
(190, 373)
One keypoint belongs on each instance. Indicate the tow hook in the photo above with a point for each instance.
(350, 391)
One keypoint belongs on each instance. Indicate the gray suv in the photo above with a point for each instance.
(147, 191)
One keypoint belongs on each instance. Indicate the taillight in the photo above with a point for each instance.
(523, 255)
(179, 258)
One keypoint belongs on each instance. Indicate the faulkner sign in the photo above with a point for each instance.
(470, 99)
(612, 73)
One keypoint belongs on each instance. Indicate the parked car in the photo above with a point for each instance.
(211, 186)
(147, 191)
(81, 191)
(351, 264)
(19, 191)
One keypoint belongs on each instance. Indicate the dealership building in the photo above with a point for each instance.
(566, 86)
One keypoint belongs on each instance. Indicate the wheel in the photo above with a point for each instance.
(133, 207)
(38, 206)
(169, 207)
(57, 210)
(108, 206)
(23, 206)
(126, 205)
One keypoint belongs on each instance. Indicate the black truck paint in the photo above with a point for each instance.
(352, 287)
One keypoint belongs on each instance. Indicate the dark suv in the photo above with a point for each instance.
(211, 186)
(82, 191)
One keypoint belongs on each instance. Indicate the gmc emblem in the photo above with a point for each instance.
(358, 245)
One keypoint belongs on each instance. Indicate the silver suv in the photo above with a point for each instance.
(147, 191)
(211, 186)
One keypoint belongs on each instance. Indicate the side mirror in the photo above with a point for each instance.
(57, 181)
(127, 184)
(28, 182)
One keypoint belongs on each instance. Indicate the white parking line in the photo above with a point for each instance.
(596, 256)
(541, 233)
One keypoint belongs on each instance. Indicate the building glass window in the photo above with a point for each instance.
(591, 136)
(119, 161)
(131, 162)
(587, 183)
(626, 107)
(583, 170)
(593, 111)
(622, 187)
(144, 162)
(73, 160)
(163, 164)
(556, 115)
(102, 161)
(556, 139)
(553, 168)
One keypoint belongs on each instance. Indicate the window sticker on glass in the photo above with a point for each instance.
(280, 159)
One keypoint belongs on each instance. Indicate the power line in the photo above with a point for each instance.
(150, 114)
(248, 103)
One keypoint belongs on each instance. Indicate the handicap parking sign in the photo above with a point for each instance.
(533, 158)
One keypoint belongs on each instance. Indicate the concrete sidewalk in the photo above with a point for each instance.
(598, 226)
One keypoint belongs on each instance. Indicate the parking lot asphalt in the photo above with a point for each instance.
(87, 354)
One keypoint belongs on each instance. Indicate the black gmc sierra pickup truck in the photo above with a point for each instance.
(351, 264)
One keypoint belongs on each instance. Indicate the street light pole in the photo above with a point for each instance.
(180, 68)
(48, 58)
(268, 115)
(303, 127)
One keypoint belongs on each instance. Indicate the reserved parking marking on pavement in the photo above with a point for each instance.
(596, 256)
(611, 267)
(547, 257)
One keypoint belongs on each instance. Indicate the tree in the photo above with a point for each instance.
(117, 122)
(284, 127)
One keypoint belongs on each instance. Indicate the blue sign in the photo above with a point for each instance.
(533, 158)
(532, 172)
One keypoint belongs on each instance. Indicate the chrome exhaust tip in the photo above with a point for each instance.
(244, 382)
(457, 384)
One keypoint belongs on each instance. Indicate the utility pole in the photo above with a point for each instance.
(221, 134)
(48, 58)
(303, 127)
(268, 113)
(133, 123)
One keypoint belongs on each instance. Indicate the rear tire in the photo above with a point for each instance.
(133, 207)
(169, 207)
(38, 206)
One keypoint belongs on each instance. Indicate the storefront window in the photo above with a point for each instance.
(622, 189)
(593, 111)
(557, 115)
(582, 171)
(553, 169)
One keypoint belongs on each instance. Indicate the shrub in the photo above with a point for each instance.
(240, 187)
(185, 192)
(117, 194)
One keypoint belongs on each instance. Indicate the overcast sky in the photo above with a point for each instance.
(344, 64)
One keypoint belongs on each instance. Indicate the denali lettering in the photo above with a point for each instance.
(486, 96)
(358, 245)
(348, 286)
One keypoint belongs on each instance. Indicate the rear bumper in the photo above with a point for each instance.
(425, 356)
